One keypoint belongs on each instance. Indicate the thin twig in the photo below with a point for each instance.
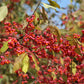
(35, 10)
(37, 7)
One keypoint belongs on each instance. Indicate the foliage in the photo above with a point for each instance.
(31, 54)
(4, 12)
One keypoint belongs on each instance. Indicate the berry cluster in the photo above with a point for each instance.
(56, 61)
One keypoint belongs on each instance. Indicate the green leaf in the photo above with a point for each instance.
(4, 80)
(3, 12)
(48, 6)
(53, 3)
(64, 77)
(77, 50)
(18, 62)
(25, 66)
(53, 75)
(4, 47)
(10, 68)
(80, 43)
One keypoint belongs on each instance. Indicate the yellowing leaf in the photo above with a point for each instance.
(38, 28)
(36, 17)
(77, 50)
(61, 60)
(71, 1)
(48, 6)
(63, 16)
(4, 47)
(73, 30)
(71, 40)
(53, 53)
(53, 3)
(24, 23)
(73, 67)
(53, 75)
(35, 61)
(25, 65)
(18, 62)
(41, 21)
(55, 31)
(43, 14)
(63, 31)
(3, 12)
